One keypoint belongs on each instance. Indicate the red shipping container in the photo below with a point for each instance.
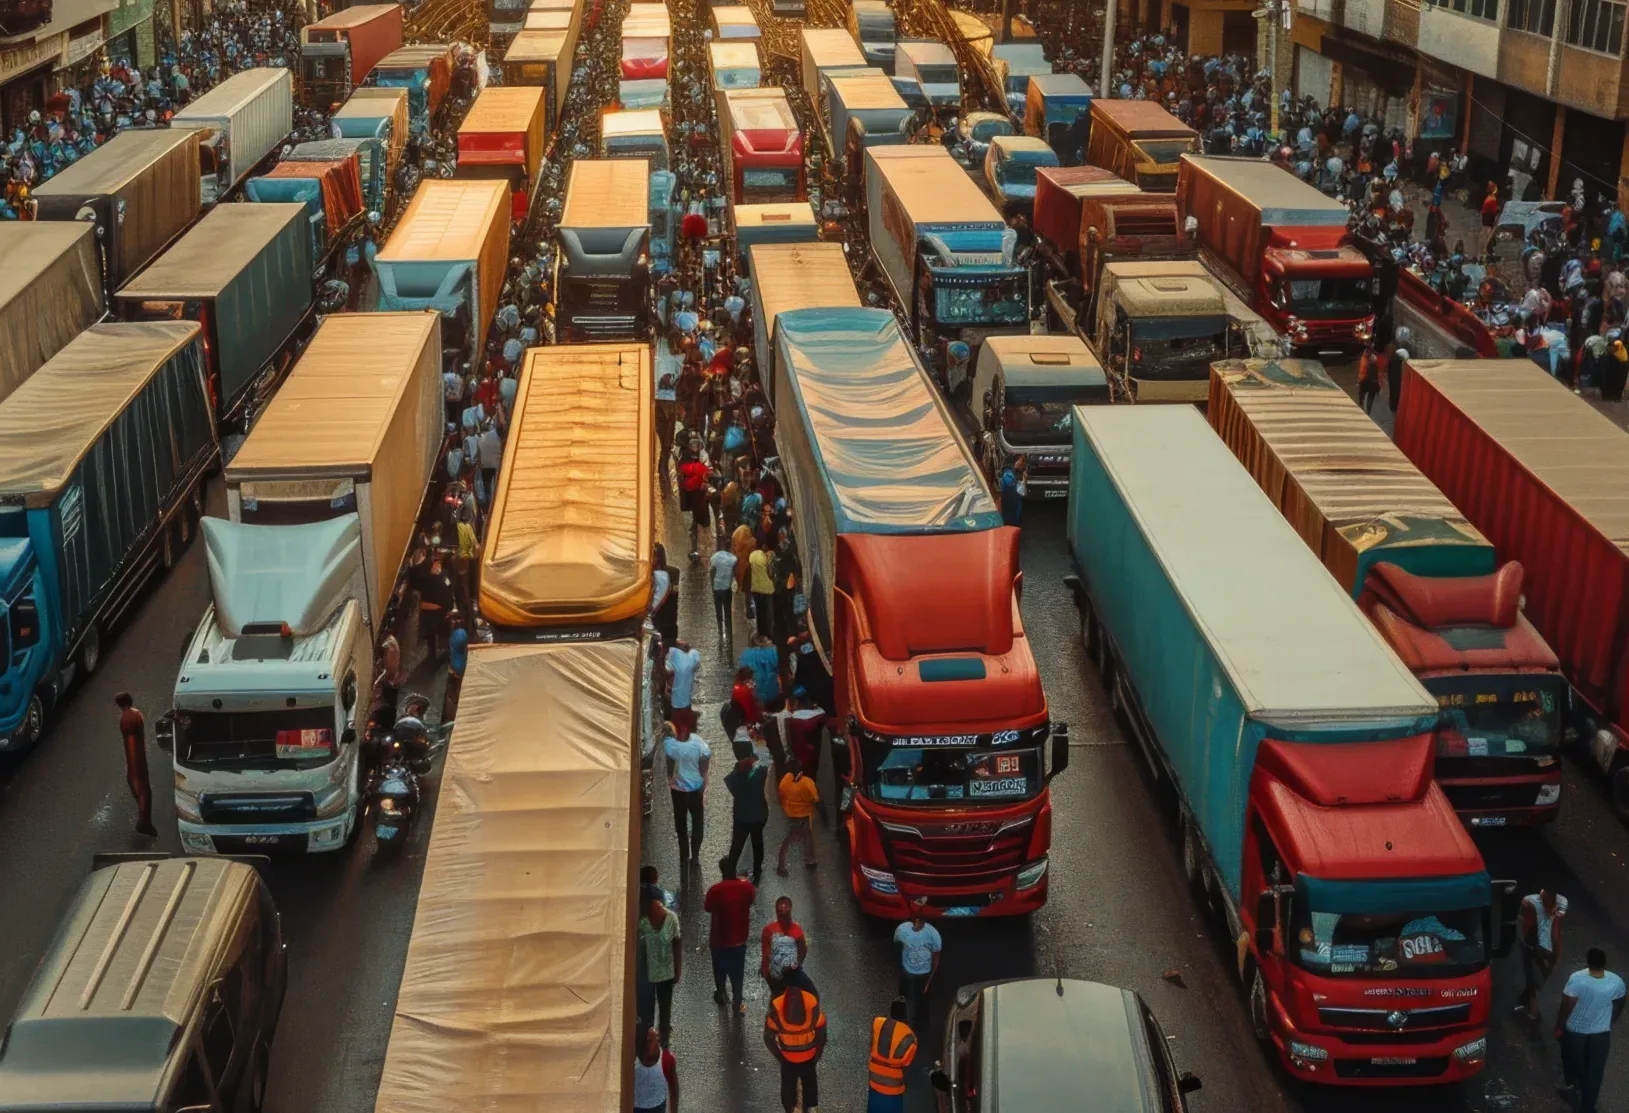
(1059, 191)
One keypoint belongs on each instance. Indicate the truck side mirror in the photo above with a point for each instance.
(1188, 1082)
(1504, 912)
(1266, 919)
(164, 732)
(940, 1080)
(25, 623)
(1060, 750)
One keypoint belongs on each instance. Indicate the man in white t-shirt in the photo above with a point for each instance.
(1539, 924)
(1591, 1003)
(722, 567)
(687, 761)
(682, 663)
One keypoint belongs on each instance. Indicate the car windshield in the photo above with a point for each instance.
(986, 130)
(1177, 347)
(1493, 716)
(1165, 152)
(1417, 944)
(288, 738)
(1040, 415)
(1320, 298)
(1001, 301)
(901, 774)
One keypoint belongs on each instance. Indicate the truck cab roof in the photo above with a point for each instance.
(1026, 360)
(1169, 295)
(217, 663)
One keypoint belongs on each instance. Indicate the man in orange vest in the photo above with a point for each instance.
(893, 1047)
(795, 1033)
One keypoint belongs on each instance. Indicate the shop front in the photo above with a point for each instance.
(25, 77)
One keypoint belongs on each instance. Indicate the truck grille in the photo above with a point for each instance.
(1412, 1019)
(291, 807)
(1363, 1068)
(606, 328)
(1481, 797)
(1455, 766)
(960, 860)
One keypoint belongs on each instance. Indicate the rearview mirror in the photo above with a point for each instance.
(940, 1080)
(1188, 1082)
(1060, 750)
(1505, 909)
(164, 731)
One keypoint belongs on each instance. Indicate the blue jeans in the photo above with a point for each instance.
(884, 1103)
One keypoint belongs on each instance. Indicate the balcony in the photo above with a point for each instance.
(1462, 39)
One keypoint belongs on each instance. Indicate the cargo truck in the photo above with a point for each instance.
(784, 223)
(734, 66)
(602, 270)
(735, 23)
(912, 582)
(860, 109)
(245, 274)
(425, 71)
(240, 122)
(793, 276)
(1054, 106)
(85, 527)
(636, 134)
(339, 51)
(330, 190)
(543, 58)
(1282, 246)
(502, 139)
(1015, 64)
(932, 65)
(872, 28)
(377, 114)
(762, 147)
(1140, 142)
(448, 253)
(503, 18)
(1017, 398)
(276, 684)
(948, 256)
(1060, 196)
(370, 156)
(1426, 578)
(1298, 750)
(824, 51)
(140, 190)
(647, 37)
(1540, 472)
(50, 292)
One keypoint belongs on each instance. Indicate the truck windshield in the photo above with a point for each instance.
(769, 184)
(323, 67)
(637, 146)
(1001, 300)
(1324, 298)
(1039, 415)
(1391, 944)
(1164, 152)
(1177, 347)
(736, 79)
(1498, 716)
(936, 75)
(926, 775)
(287, 738)
(1016, 171)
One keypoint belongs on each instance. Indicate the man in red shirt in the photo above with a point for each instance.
(133, 731)
(729, 902)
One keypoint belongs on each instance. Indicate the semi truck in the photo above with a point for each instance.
(50, 292)
(949, 257)
(276, 684)
(1425, 577)
(339, 51)
(448, 253)
(425, 71)
(793, 276)
(1298, 750)
(872, 28)
(860, 109)
(1060, 196)
(376, 114)
(1140, 142)
(140, 190)
(246, 275)
(370, 157)
(762, 146)
(331, 191)
(912, 582)
(932, 66)
(1054, 104)
(824, 51)
(602, 270)
(502, 138)
(1282, 246)
(543, 59)
(647, 36)
(240, 123)
(1539, 471)
(103, 458)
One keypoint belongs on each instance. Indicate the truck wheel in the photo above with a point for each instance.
(33, 725)
(167, 544)
(90, 649)
(1620, 790)
(1190, 859)
(1258, 1006)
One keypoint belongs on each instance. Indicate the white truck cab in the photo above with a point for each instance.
(1019, 397)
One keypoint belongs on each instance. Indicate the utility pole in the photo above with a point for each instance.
(1111, 9)
(1272, 60)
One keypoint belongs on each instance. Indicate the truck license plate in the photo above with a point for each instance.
(962, 910)
(262, 840)
(1394, 1062)
(1055, 493)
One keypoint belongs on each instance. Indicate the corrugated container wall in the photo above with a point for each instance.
(254, 108)
(50, 292)
(453, 231)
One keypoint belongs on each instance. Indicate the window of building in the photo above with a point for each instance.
(1597, 25)
(1481, 9)
(1536, 16)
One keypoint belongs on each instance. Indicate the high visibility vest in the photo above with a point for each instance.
(893, 1046)
(796, 1039)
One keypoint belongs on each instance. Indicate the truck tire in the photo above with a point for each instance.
(33, 724)
(90, 649)
(1619, 789)
(169, 542)
(1258, 1005)
(1191, 865)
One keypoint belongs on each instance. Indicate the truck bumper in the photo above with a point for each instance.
(882, 894)
(1452, 1058)
(1505, 801)
(316, 837)
(1044, 488)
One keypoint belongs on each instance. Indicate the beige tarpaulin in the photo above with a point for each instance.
(214, 252)
(573, 521)
(517, 991)
(51, 421)
(50, 292)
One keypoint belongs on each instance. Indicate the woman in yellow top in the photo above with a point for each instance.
(763, 588)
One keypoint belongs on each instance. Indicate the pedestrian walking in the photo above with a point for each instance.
(799, 795)
(782, 948)
(893, 1048)
(133, 732)
(1394, 376)
(744, 696)
(687, 761)
(1539, 923)
(749, 811)
(1368, 379)
(763, 588)
(765, 662)
(683, 661)
(1014, 486)
(664, 602)
(919, 948)
(664, 959)
(729, 903)
(722, 566)
(1591, 1003)
(795, 1033)
(457, 660)
(655, 1076)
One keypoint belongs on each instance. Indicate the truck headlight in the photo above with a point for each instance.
(881, 880)
(194, 843)
(186, 803)
(1310, 1052)
(332, 802)
(1473, 1052)
(1548, 794)
(1030, 876)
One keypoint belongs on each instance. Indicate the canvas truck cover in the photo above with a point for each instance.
(501, 115)
(373, 30)
(1344, 486)
(142, 185)
(794, 276)
(426, 66)
(339, 187)
(52, 421)
(361, 409)
(867, 445)
(253, 264)
(1543, 473)
(253, 109)
(824, 50)
(517, 993)
(453, 231)
(50, 292)
(608, 193)
(573, 520)
(1228, 626)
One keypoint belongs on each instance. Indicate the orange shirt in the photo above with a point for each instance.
(798, 796)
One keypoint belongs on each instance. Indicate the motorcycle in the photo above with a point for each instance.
(404, 757)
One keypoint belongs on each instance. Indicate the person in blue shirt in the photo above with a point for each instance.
(1013, 487)
(457, 658)
(765, 663)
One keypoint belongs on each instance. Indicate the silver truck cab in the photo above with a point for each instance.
(1018, 397)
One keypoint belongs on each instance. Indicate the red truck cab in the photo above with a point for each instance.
(941, 701)
(503, 136)
(763, 147)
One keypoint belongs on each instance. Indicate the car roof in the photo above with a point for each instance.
(1048, 1040)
